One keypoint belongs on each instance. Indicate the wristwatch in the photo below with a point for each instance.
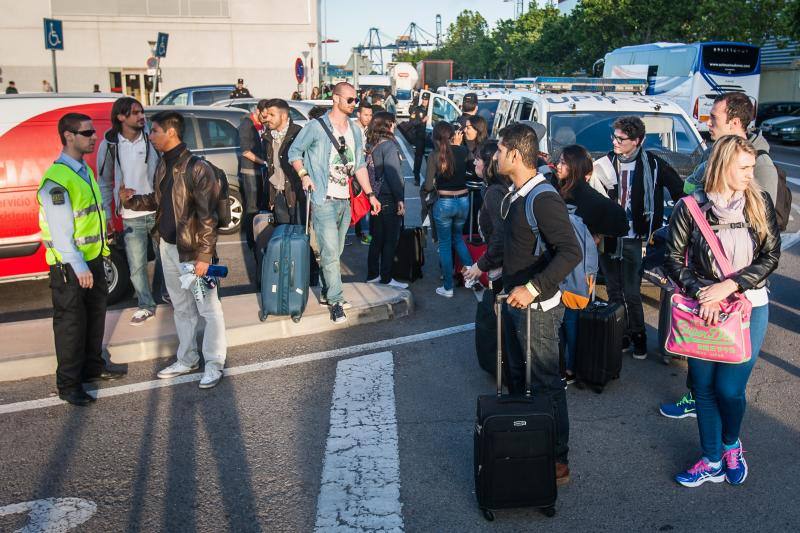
(370, 194)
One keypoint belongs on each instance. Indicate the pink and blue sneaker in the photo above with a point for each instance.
(701, 472)
(735, 465)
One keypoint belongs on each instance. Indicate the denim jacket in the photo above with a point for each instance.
(313, 146)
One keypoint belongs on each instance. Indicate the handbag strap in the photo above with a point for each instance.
(709, 235)
(339, 148)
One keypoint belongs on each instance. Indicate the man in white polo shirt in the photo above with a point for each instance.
(127, 160)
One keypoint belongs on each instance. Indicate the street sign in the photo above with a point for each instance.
(53, 35)
(299, 70)
(152, 63)
(161, 44)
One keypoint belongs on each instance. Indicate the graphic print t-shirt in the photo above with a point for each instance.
(626, 171)
(339, 170)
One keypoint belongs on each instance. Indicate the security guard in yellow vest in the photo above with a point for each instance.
(73, 226)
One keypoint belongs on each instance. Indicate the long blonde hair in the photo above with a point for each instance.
(723, 157)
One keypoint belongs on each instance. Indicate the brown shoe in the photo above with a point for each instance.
(562, 474)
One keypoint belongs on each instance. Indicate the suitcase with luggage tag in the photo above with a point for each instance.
(514, 443)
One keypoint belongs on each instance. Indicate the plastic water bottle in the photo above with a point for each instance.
(217, 271)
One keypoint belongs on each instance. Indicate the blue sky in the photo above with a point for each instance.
(349, 21)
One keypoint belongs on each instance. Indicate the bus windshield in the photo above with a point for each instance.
(730, 58)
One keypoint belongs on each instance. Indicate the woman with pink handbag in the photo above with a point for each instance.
(720, 252)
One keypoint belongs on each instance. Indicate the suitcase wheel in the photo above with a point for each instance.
(616, 376)
(489, 515)
(296, 318)
(549, 512)
(598, 389)
(262, 316)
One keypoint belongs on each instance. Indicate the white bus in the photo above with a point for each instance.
(691, 75)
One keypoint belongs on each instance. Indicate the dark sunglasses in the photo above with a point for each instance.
(342, 141)
(85, 133)
(351, 100)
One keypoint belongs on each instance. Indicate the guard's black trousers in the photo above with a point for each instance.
(79, 317)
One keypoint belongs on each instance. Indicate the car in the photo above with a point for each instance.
(197, 95)
(298, 109)
(785, 129)
(213, 133)
(775, 109)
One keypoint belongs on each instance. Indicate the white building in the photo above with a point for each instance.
(109, 42)
(566, 6)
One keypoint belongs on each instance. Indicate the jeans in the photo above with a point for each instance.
(624, 281)
(385, 231)
(136, 232)
(187, 313)
(331, 221)
(449, 215)
(546, 368)
(719, 392)
(570, 331)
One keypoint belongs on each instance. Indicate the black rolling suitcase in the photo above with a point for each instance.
(515, 438)
(665, 319)
(410, 254)
(598, 354)
(285, 272)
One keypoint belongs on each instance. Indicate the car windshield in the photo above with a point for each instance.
(403, 94)
(669, 135)
(487, 109)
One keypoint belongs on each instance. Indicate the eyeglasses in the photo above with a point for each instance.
(85, 133)
(351, 100)
(505, 205)
(342, 141)
(619, 139)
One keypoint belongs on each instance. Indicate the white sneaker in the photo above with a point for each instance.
(398, 284)
(141, 316)
(211, 377)
(374, 280)
(441, 291)
(176, 369)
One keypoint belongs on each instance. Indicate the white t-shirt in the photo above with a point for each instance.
(339, 171)
(132, 157)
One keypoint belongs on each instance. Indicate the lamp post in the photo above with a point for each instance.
(305, 53)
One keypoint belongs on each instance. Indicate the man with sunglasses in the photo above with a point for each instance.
(73, 227)
(635, 178)
(325, 171)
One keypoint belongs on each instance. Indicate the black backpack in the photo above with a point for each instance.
(224, 202)
(783, 200)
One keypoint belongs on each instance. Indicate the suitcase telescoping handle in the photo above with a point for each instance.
(308, 210)
(528, 362)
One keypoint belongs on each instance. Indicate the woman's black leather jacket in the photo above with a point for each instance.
(684, 234)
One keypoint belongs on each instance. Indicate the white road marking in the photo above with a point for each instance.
(223, 243)
(52, 515)
(406, 153)
(795, 181)
(785, 163)
(360, 488)
(244, 369)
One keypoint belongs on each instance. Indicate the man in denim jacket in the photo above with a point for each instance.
(325, 172)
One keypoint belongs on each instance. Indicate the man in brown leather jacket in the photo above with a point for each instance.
(185, 197)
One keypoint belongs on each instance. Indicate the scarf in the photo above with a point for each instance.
(736, 242)
(647, 178)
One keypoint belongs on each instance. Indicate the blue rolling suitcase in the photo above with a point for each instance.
(285, 271)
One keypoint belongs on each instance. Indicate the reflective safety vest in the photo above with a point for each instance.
(89, 218)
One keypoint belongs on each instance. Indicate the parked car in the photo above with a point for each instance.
(28, 145)
(775, 109)
(298, 109)
(213, 133)
(785, 129)
(197, 95)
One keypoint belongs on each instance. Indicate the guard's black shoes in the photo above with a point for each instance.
(78, 397)
(106, 375)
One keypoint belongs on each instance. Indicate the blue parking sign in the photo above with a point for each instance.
(161, 44)
(53, 35)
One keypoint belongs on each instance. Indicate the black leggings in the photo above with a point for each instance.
(385, 230)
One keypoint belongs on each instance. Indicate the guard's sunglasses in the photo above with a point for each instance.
(85, 133)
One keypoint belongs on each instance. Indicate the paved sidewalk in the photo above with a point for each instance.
(28, 349)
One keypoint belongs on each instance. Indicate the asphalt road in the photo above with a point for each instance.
(255, 453)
